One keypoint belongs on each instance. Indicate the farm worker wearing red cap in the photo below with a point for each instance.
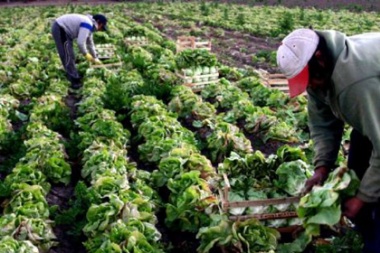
(68, 27)
(341, 75)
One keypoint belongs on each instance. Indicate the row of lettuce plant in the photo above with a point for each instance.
(181, 166)
(13, 41)
(26, 210)
(26, 73)
(120, 215)
(163, 141)
(8, 111)
(28, 81)
(26, 222)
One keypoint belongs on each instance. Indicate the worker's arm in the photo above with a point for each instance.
(363, 112)
(84, 33)
(91, 46)
(326, 132)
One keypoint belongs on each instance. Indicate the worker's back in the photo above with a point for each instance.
(72, 23)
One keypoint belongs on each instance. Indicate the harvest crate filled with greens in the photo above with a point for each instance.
(138, 35)
(197, 68)
(136, 40)
(105, 51)
(163, 150)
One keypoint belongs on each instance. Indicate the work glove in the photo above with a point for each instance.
(97, 61)
(89, 57)
(320, 175)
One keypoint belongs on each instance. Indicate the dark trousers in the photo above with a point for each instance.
(368, 220)
(66, 52)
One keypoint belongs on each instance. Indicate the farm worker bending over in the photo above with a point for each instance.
(68, 27)
(341, 75)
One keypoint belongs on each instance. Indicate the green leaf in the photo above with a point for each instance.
(328, 216)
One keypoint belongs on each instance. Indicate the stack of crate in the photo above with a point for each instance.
(190, 42)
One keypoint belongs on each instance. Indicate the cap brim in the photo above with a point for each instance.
(298, 84)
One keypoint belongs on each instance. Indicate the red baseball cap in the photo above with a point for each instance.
(298, 84)
(293, 56)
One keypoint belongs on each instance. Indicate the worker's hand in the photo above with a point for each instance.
(89, 57)
(320, 175)
(97, 61)
(352, 207)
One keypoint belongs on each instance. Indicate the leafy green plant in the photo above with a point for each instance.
(286, 23)
(120, 88)
(239, 236)
(240, 19)
(73, 216)
(226, 15)
(322, 206)
(349, 242)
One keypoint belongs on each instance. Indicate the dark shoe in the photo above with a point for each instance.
(76, 82)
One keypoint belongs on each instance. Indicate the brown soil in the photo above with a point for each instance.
(233, 48)
(71, 101)
(61, 194)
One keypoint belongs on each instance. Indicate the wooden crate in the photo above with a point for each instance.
(111, 66)
(276, 81)
(197, 86)
(105, 51)
(129, 41)
(226, 205)
(190, 42)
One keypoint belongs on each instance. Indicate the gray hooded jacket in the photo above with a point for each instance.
(354, 98)
(80, 27)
